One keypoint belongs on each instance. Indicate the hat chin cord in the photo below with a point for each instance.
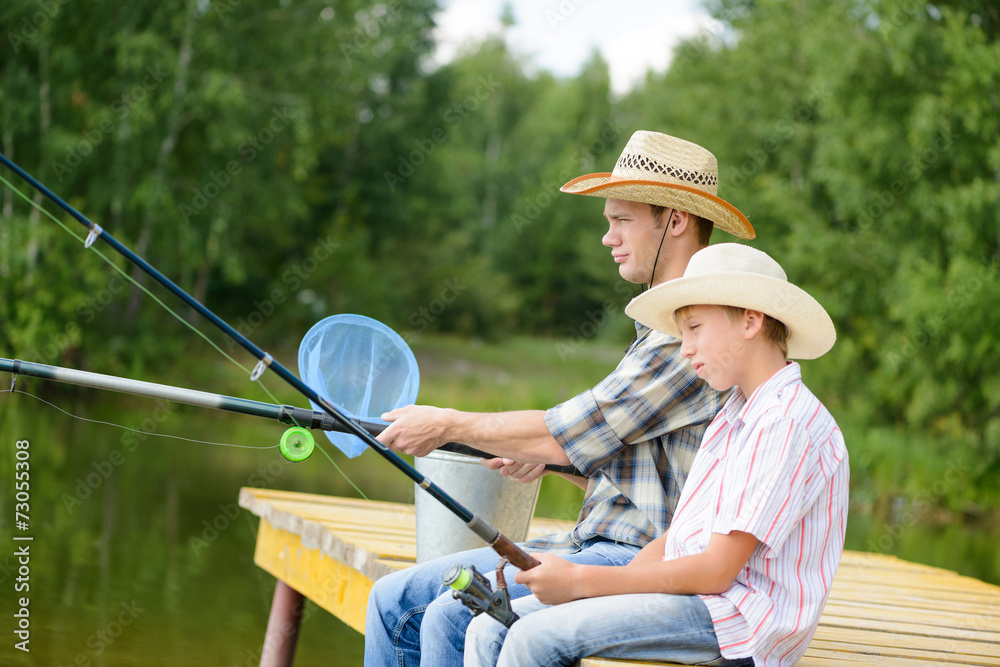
(662, 238)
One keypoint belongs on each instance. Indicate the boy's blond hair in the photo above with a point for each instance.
(774, 330)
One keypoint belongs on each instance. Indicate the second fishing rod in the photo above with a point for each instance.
(294, 449)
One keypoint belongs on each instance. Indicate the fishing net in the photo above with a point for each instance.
(361, 366)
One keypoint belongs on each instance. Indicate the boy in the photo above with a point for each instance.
(744, 571)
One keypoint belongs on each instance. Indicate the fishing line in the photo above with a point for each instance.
(129, 278)
(342, 474)
(72, 233)
(134, 430)
(265, 361)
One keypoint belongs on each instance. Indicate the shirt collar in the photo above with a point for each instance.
(747, 410)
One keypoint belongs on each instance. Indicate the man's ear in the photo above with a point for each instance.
(753, 322)
(679, 221)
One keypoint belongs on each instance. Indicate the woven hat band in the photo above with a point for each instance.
(631, 166)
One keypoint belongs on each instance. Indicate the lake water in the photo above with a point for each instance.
(140, 555)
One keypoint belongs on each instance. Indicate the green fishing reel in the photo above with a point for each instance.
(297, 444)
(474, 591)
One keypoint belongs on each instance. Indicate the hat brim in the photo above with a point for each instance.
(811, 331)
(724, 215)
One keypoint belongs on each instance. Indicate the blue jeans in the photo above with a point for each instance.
(673, 628)
(414, 620)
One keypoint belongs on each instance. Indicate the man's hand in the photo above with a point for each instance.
(415, 429)
(519, 436)
(517, 471)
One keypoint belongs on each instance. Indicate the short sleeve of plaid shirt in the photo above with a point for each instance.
(635, 436)
(652, 392)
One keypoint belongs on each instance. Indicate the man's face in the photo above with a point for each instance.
(633, 238)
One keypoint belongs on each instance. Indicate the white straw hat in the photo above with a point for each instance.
(731, 274)
(659, 169)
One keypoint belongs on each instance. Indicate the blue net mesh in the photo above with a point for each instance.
(361, 366)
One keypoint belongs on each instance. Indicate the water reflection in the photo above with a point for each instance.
(140, 554)
(142, 557)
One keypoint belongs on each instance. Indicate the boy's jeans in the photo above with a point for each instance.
(674, 628)
(413, 619)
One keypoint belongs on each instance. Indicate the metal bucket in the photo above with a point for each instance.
(507, 505)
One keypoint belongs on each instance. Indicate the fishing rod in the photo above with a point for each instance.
(296, 443)
(482, 528)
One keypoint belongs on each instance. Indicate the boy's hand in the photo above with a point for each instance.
(552, 582)
(517, 471)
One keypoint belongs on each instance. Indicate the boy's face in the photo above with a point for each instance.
(713, 343)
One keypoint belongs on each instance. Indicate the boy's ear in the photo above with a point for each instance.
(753, 322)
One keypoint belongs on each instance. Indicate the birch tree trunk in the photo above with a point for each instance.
(175, 123)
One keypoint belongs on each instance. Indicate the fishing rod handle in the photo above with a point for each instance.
(517, 556)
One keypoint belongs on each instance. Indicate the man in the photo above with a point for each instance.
(634, 435)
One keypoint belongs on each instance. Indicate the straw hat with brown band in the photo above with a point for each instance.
(666, 171)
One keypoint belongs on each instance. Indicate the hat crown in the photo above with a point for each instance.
(653, 156)
(732, 274)
(733, 258)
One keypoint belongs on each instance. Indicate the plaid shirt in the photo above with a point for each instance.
(635, 436)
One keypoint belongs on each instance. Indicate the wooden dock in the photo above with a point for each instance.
(881, 611)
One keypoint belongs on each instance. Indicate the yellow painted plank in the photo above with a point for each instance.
(334, 586)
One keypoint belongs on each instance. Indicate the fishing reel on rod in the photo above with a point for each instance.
(297, 444)
(473, 590)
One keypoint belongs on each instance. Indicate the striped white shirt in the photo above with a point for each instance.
(775, 467)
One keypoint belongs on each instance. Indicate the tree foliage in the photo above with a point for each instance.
(284, 161)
